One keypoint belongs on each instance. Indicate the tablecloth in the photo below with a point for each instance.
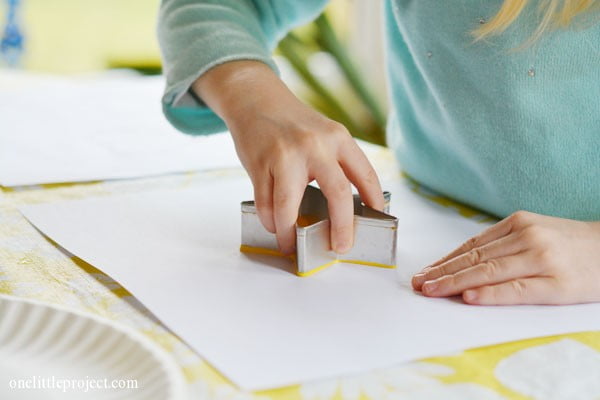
(32, 266)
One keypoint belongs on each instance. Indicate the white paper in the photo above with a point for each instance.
(108, 126)
(262, 326)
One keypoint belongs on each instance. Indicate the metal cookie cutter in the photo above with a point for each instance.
(375, 235)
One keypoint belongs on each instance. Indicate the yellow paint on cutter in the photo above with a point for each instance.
(259, 250)
(269, 252)
(358, 262)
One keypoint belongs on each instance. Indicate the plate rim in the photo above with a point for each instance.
(173, 370)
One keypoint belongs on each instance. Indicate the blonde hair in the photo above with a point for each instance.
(553, 14)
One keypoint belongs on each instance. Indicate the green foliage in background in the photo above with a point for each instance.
(297, 47)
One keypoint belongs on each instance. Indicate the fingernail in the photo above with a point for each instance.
(427, 268)
(470, 295)
(418, 279)
(287, 251)
(430, 286)
(341, 247)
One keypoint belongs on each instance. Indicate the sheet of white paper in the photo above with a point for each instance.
(108, 126)
(260, 325)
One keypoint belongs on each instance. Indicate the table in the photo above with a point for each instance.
(32, 266)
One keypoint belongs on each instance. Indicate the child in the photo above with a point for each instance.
(507, 122)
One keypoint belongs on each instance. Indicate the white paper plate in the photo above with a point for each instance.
(49, 348)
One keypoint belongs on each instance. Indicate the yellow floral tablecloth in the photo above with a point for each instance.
(563, 367)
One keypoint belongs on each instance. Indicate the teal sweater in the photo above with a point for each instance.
(499, 130)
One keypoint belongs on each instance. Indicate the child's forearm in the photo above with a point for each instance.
(232, 89)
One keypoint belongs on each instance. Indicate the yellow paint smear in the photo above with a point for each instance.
(462, 209)
(306, 220)
(268, 252)
(58, 185)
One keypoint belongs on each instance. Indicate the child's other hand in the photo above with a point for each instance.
(524, 259)
(284, 145)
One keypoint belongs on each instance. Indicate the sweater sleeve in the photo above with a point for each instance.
(196, 35)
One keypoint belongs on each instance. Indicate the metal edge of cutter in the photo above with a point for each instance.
(374, 236)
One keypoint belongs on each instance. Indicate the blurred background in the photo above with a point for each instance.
(334, 63)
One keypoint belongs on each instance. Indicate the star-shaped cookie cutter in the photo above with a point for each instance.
(375, 235)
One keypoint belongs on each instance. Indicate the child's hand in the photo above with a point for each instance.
(524, 259)
(284, 145)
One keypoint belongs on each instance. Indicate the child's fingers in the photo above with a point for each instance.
(494, 232)
(289, 185)
(540, 290)
(502, 247)
(491, 272)
(340, 203)
(360, 172)
(263, 199)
